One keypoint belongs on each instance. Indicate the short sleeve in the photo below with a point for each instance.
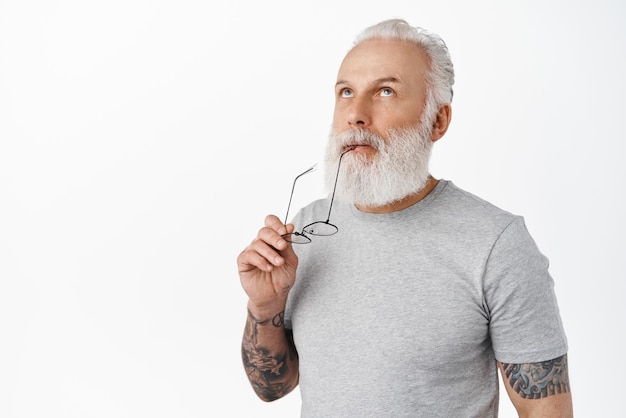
(524, 321)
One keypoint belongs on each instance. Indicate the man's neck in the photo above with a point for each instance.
(403, 203)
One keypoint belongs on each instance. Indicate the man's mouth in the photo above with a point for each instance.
(352, 147)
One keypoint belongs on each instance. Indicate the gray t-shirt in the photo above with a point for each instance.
(403, 314)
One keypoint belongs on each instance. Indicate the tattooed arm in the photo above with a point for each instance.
(539, 389)
(267, 270)
(269, 357)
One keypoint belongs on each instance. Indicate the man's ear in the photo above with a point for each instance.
(442, 121)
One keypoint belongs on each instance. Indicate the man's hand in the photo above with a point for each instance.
(267, 268)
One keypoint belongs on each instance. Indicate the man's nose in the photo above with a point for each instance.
(359, 113)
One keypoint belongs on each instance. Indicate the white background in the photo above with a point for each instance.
(143, 142)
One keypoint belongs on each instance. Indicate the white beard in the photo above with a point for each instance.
(398, 169)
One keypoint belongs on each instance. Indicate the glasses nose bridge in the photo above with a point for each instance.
(296, 238)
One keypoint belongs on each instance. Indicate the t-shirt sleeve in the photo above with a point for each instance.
(525, 324)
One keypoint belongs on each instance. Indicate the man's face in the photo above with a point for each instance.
(380, 87)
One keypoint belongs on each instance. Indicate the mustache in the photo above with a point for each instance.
(358, 137)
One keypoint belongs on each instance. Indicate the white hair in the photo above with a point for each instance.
(440, 77)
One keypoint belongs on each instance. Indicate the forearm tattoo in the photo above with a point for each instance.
(266, 370)
(538, 380)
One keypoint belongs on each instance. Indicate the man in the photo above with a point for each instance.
(425, 290)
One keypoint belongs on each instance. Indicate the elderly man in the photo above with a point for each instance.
(407, 300)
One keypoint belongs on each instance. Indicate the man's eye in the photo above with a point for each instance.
(346, 93)
(386, 92)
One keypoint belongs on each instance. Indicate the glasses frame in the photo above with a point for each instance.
(302, 237)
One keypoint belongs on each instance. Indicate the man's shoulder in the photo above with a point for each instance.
(454, 201)
(459, 196)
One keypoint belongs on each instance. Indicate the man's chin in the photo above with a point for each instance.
(378, 194)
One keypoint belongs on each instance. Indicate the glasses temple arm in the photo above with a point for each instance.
(293, 187)
(332, 198)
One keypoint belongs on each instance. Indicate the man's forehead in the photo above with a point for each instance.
(383, 59)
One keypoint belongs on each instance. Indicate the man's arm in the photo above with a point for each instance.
(539, 389)
(267, 269)
(269, 357)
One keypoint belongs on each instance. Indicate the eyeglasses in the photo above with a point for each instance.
(319, 228)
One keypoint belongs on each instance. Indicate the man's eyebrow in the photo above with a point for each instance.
(381, 80)
(386, 80)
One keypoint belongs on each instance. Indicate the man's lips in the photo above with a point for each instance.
(357, 147)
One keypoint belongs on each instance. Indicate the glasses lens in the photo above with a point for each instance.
(296, 238)
(320, 228)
